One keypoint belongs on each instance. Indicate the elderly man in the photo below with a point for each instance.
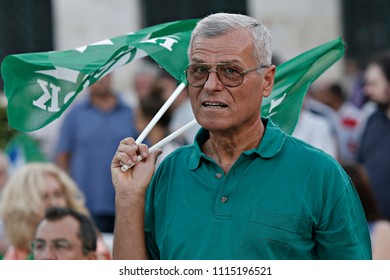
(244, 189)
(64, 234)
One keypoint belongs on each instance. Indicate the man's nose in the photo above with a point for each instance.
(213, 82)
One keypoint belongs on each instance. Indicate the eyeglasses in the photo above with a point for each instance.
(59, 246)
(230, 75)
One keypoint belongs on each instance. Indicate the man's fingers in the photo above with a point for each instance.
(128, 141)
(129, 152)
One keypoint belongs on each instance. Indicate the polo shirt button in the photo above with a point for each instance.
(224, 199)
(218, 175)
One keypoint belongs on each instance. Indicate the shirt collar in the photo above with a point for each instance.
(270, 144)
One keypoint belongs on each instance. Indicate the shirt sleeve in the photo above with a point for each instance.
(343, 232)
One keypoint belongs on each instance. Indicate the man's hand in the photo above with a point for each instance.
(130, 188)
(137, 178)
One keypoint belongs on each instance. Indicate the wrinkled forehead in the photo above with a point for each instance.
(235, 46)
(240, 35)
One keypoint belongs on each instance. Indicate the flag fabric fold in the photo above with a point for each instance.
(292, 80)
(40, 86)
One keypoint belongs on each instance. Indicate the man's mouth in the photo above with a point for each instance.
(214, 105)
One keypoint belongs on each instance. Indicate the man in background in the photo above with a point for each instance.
(64, 234)
(374, 151)
(88, 139)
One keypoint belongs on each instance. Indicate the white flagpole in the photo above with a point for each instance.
(156, 118)
(163, 142)
(160, 112)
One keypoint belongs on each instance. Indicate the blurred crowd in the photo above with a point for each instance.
(65, 208)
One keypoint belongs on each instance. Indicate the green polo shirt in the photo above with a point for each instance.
(282, 200)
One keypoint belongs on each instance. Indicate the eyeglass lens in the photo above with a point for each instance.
(229, 75)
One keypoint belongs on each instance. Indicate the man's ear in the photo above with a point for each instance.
(269, 76)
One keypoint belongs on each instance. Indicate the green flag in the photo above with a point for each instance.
(40, 86)
(292, 80)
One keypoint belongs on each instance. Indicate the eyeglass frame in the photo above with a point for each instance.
(242, 73)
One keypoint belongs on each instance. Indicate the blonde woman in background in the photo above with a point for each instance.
(27, 195)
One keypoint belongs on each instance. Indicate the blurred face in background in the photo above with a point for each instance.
(377, 87)
(54, 195)
(168, 86)
(59, 240)
(141, 121)
(143, 83)
(102, 86)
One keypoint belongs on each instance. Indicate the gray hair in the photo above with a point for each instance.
(222, 23)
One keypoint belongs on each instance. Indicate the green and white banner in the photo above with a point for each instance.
(292, 80)
(40, 86)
